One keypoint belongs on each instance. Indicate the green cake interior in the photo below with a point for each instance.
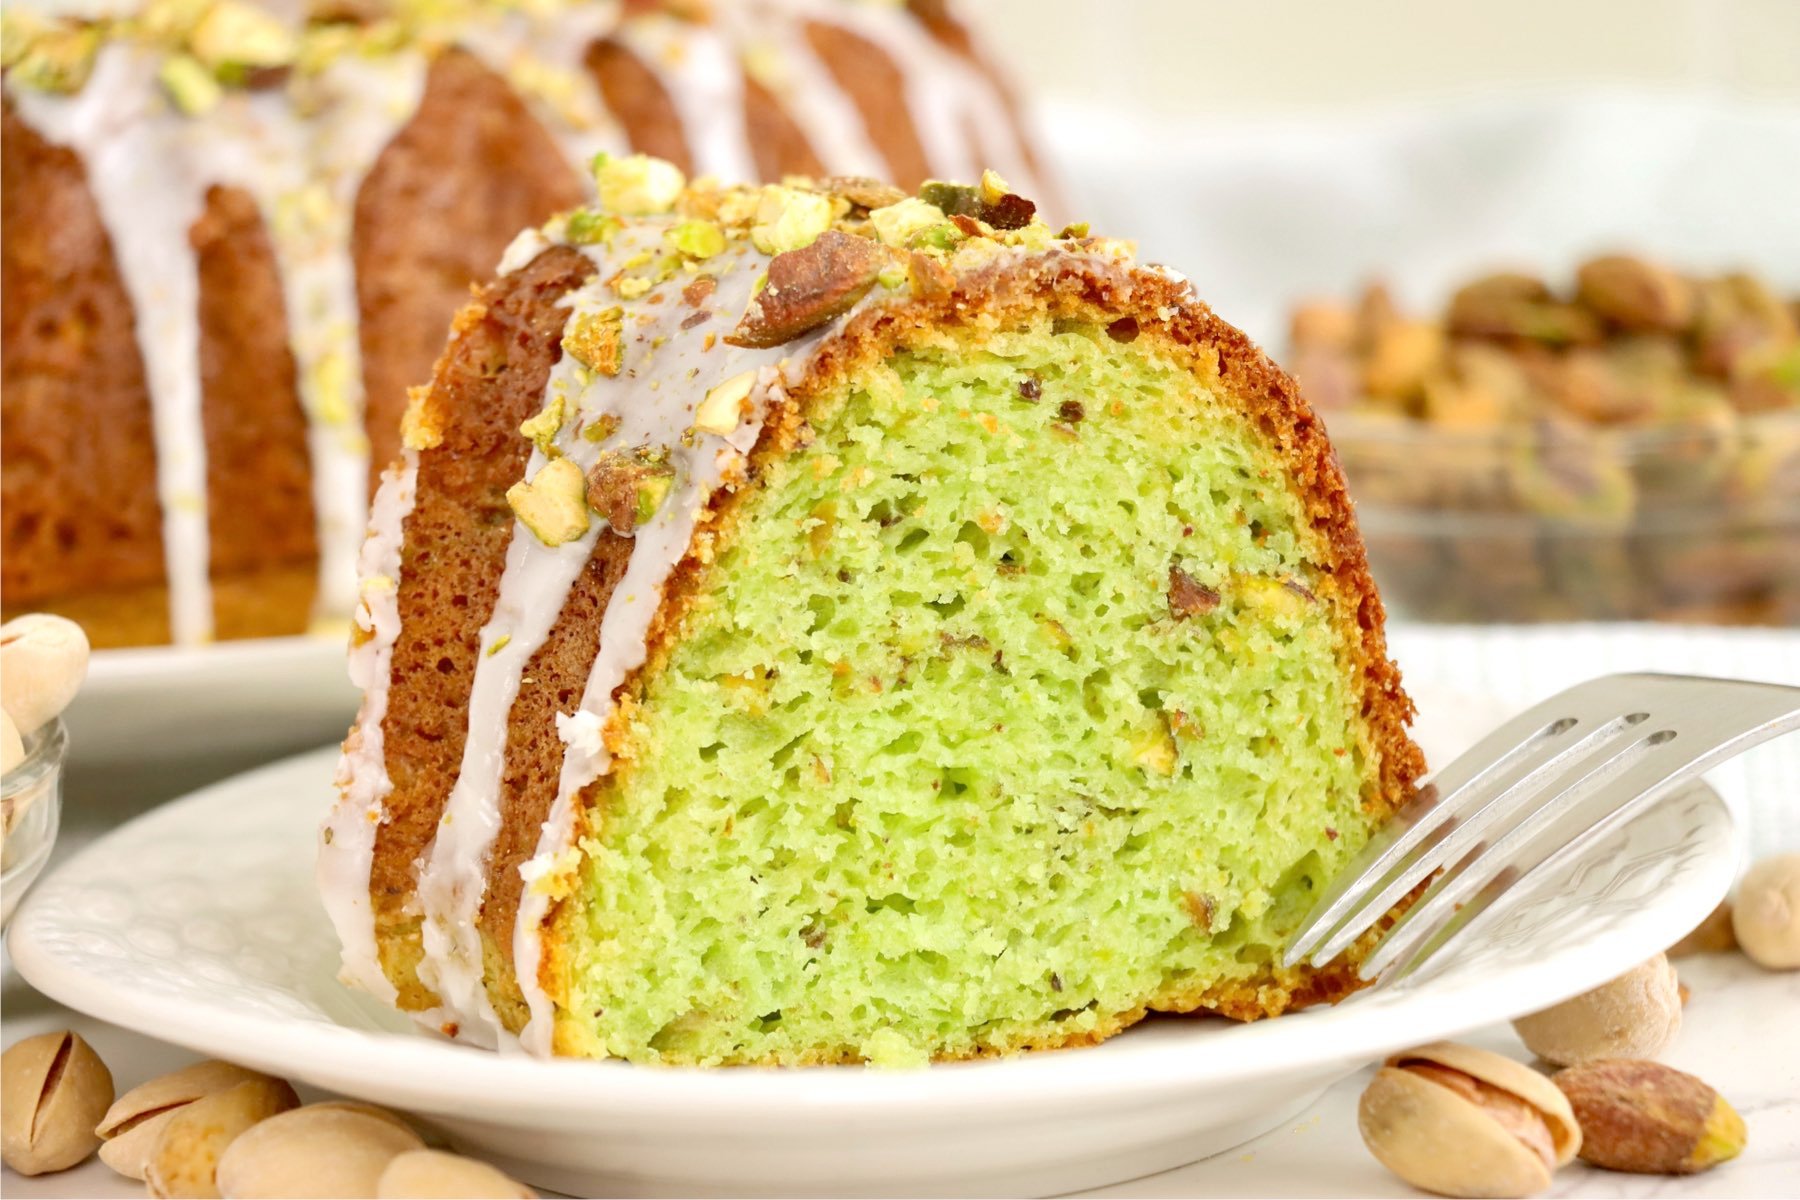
(935, 769)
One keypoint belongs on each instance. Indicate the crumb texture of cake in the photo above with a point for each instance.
(234, 236)
(816, 623)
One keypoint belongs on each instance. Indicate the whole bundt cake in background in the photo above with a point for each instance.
(817, 623)
(231, 242)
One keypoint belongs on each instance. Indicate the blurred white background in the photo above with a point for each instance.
(1283, 148)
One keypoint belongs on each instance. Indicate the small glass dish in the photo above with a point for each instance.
(1560, 521)
(31, 797)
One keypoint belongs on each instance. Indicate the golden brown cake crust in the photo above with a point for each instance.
(470, 170)
(1078, 286)
(77, 497)
(491, 378)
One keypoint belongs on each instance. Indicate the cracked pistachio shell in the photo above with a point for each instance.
(53, 1088)
(1463, 1122)
(184, 1161)
(322, 1150)
(440, 1175)
(43, 660)
(132, 1125)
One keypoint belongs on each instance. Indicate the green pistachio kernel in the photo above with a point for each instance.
(553, 504)
(898, 224)
(588, 226)
(696, 239)
(652, 490)
(597, 339)
(190, 85)
(637, 185)
(58, 62)
(789, 219)
(543, 428)
(232, 34)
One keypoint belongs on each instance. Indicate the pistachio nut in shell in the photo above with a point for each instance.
(1766, 914)
(322, 1150)
(1650, 1119)
(184, 1160)
(1634, 1016)
(53, 1088)
(440, 1175)
(1713, 935)
(132, 1125)
(1463, 1122)
(43, 660)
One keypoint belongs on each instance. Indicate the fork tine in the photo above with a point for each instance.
(1722, 719)
(1467, 784)
(1459, 835)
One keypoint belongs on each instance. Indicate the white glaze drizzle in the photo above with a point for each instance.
(347, 841)
(667, 371)
(149, 168)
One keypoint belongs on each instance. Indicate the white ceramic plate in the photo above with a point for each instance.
(198, 924)
(250, 701)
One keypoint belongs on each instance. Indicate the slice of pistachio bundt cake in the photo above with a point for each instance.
(819, 624)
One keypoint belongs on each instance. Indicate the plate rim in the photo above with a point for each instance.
(416, 1071)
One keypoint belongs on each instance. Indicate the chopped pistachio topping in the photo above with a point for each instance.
(899, 224)
(630, 287)
(597, 339)
(722, 410)
(993, 188)
(543, 428)
(553, 504)
(652, 490)
(587, 226)
(189, 84)
(697, 239)
(789, 219)
(60, 61)
(600, 428)
(637, 185)
(235, 34)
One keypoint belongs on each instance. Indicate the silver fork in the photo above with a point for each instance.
(1527, 798)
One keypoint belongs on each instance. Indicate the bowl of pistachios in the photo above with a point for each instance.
(43, 660)
(1623, 448)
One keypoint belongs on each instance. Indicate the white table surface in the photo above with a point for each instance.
(1741, 1033)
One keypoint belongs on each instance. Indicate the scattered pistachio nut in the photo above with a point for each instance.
(1649, 1119)
(440, 1175)
(808, 287)
(899, 223)
(131, 1126)
(628, 488)
(1634, 1016)
(636, 185)
(553, 503)
(320, 1150)
(1711, 936)
(597, 339)
(1636, 294)
(231, 33)
(1465, 1122)
(43, 660)
(1766, 913)
(697, 239)
(184, 1158)
(53, 1089)
(722, 409)
(789, 219)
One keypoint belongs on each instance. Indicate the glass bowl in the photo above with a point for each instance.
(31, 795)
(1557, 521)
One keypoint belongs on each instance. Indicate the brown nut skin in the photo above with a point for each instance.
(1634, 1016)
(53, 1088)
(130, 1128)
(185, 1159)
(1650, 1119)
(440, 1175)
(1712, 936)
(1463, 1122)
(1766, 914)
(322, 1150)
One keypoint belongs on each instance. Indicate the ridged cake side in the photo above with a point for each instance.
(373, 170)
